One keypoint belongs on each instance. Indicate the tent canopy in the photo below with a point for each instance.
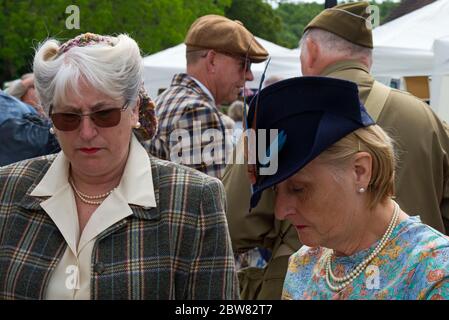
(404, 46)
(162, 66)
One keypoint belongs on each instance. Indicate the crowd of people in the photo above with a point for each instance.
(105, 194)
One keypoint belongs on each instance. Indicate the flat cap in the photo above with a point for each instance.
(351, 21)
(310, 114)
(224, 35)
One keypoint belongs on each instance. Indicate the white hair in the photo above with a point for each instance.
(333, 45)
(116, 70)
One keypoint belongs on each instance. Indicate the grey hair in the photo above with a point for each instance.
(116, 71)
(235, 111)
(193, 57)
(335, 46)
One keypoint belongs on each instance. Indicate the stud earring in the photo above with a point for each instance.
(52, 130)
(138, 125)
(362, 190)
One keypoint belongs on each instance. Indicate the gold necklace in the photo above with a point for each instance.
(89, 199)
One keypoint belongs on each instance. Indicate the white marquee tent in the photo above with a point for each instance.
(161, 66)
(417, 44)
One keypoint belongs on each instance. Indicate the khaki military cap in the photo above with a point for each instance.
(224, 35)
(351, 21)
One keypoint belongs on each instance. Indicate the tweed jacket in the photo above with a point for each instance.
(185, 107)
(178, 250)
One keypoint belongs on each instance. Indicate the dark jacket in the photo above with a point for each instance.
(23, 133)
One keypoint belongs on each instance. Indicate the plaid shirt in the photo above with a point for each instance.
(179, 250)
(186, 106)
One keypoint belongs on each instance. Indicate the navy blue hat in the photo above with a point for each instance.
(311, 114)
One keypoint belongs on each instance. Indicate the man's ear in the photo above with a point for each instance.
(313, 52)
(211, 59)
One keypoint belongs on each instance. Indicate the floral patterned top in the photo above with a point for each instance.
(413, 265)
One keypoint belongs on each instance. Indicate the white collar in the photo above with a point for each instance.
(204, 88)
(136, 187)
(136, 184)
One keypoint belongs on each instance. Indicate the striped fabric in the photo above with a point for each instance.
(184, 105)
(179, 250)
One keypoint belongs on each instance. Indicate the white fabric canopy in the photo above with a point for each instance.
(162, 66)
(417, 44)
(404, 46)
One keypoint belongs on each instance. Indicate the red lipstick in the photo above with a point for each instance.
(90, 150)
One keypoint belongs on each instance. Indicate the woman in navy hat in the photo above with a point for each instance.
(335, 183)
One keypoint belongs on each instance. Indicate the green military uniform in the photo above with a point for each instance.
(257, 229)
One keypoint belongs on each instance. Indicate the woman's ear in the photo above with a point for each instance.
(362, 167)
(135, 110)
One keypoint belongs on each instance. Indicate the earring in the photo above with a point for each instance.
(138, 125)
(362, 190)
(52, 130)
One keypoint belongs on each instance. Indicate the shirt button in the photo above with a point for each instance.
(99, 267)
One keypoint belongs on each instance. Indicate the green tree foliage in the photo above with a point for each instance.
(154, 24)
(386, 8)
(295, 18)
(258, 17)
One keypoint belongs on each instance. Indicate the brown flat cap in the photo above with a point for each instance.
(351, 21)
(222, 34)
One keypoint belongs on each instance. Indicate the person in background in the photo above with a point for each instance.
(270, 80)
(24, 133)
(24, 90)
(336, 188)
(219, 54)
(235, 112)
(102, 219)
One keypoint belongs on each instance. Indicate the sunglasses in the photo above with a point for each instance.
(69, 121)
(245, 63)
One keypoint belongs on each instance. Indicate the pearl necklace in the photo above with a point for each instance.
(343, 282)
(89, 199)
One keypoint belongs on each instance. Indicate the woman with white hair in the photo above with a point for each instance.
(102, 219)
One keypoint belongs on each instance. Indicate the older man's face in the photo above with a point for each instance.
(231, 74)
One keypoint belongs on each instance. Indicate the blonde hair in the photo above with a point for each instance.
(116, 70)
(375, 141)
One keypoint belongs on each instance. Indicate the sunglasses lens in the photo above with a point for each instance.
(71, 121)
(65, 121)
(107, 118)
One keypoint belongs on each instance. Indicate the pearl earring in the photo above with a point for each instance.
(138, 125)
(362, 190)
(52, 131)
